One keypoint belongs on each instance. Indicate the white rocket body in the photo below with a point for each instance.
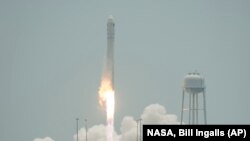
(110, 49)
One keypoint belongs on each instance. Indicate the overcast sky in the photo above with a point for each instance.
(52, 54)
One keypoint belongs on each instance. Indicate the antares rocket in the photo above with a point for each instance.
(106, 90)
(109, 74)
(110, 50)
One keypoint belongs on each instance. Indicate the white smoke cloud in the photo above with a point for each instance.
(128, 129)
(152, 114)
(96, 133)
(157, 114)
(43, 139)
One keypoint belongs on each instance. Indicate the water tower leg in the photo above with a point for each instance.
(189, 110)
(193, 108)
(197, 109)
(182, 107)
(204, 107)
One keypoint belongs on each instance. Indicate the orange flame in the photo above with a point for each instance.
(106, 97)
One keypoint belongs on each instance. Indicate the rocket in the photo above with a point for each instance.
(109, 72)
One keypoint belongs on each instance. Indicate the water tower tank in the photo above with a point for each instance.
(193, 83)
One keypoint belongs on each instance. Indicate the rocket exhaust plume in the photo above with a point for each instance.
(106, 90)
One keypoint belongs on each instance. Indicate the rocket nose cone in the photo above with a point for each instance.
(110, 19)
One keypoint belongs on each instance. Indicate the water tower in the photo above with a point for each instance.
(193, 87)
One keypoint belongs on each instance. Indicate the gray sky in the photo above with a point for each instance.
(52, 56)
